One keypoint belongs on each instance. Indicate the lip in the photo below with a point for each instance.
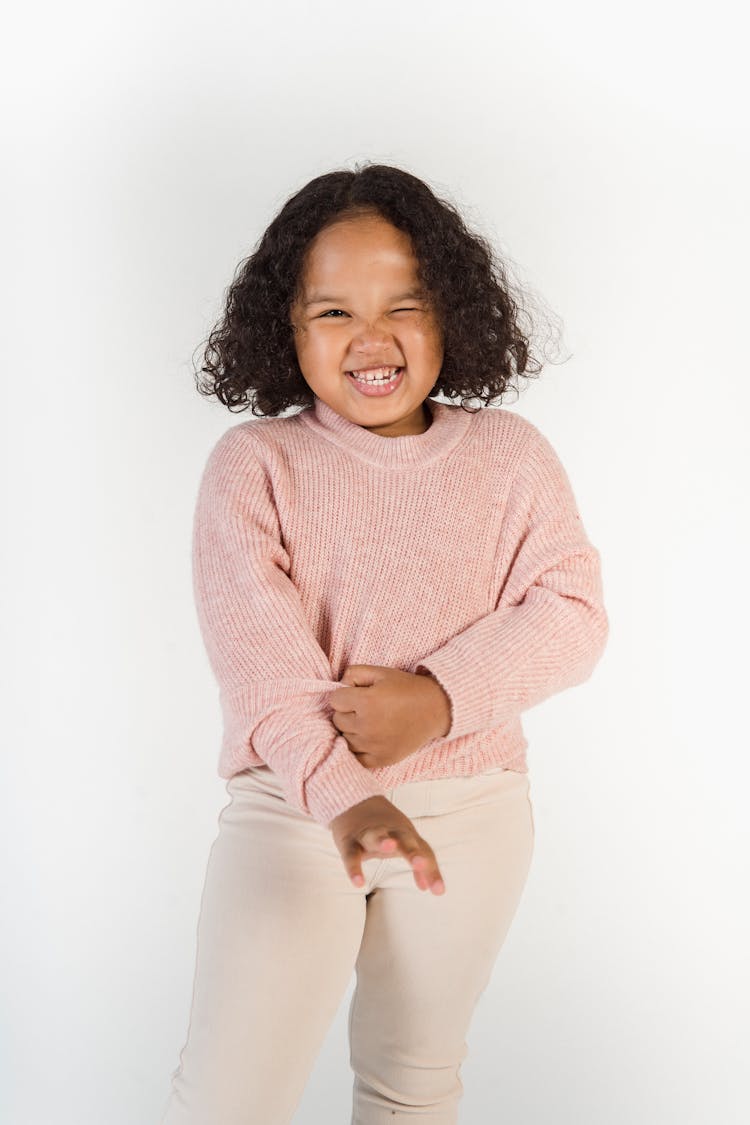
(373, 391)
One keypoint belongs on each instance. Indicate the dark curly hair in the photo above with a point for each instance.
(249, 356)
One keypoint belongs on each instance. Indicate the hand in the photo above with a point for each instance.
(385, 714)
(375, 829)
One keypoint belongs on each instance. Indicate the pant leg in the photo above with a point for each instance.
(426, 959)
(279, 929)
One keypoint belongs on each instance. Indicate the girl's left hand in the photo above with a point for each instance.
(385, 714)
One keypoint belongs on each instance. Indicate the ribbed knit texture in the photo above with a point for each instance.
(459, 551)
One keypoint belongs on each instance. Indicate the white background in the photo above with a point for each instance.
(604, 151)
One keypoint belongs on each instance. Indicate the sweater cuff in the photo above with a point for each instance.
(467, 693)
(339, 783)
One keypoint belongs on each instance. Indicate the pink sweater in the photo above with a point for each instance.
(318, 544)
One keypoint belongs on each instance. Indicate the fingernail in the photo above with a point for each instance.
(438, 886)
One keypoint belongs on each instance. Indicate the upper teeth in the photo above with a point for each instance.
(373, 373)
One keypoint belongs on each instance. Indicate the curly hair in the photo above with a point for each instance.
(249, 356)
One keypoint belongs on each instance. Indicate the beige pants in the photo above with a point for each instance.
(282, 927)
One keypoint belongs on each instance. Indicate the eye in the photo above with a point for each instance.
(329, 312)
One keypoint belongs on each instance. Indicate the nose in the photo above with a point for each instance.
(370, 340)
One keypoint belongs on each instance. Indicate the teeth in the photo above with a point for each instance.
(375, 374)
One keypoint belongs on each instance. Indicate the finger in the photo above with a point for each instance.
(343, 725)
(379, 840)
(413, 848)
(420, 855)
(352, 859)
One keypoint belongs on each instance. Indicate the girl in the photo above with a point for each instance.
(384, 582)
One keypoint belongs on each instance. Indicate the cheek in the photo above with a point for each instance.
(430, 334)
(429, 341)
(316, 352)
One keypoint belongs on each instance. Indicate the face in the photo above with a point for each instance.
(360, 307)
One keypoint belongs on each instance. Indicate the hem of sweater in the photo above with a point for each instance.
(470, 755)
(338, 785)
(477, 753)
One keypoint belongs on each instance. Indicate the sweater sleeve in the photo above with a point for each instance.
(274, 678)
(549, 626)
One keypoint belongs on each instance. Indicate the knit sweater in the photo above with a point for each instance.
(459, 552)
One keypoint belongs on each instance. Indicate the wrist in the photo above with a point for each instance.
(443, 719)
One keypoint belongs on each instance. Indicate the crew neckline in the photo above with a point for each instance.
(450, 424)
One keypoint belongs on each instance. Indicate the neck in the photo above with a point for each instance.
(448, 425)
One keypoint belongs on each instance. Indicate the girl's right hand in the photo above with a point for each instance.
(375, 829)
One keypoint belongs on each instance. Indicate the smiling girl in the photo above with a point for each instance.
(379, 381)
(384, 582)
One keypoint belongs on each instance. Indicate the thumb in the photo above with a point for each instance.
(359, 675)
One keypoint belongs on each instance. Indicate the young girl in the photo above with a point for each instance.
(384, 582)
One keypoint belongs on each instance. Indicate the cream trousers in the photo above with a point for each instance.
(281, 929)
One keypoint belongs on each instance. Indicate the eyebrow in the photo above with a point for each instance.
(319, 299)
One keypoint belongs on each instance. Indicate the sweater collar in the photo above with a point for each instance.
(450, 423)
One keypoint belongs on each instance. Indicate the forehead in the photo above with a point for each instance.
(357, 248)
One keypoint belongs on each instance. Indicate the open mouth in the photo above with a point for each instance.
(376, 376)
